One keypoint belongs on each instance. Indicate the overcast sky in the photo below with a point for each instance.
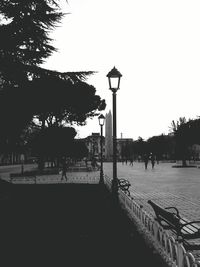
(155, 44)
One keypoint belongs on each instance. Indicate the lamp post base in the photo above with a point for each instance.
(101, 180)
(115, 189)
(22, 168)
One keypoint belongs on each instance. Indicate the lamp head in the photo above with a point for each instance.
(114, 77)
(101, 119)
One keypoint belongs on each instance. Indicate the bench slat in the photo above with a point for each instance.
(175, 223)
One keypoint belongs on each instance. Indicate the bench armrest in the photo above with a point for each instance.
(124, 185)
(177, 212)
(123, 182)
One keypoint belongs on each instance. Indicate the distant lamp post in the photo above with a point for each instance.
(22, 158)
(101, 123)
(114, 77)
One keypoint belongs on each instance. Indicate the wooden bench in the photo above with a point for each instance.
(169, 218)
(124, 185)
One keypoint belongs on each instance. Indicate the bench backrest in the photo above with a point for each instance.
(165, 215)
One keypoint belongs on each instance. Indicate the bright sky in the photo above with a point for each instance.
(155, 44)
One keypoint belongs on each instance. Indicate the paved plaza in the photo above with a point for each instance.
(164, 185)
(179, 187)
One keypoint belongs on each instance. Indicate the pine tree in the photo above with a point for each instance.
(24, 45)
(25, 41)
(24, 30)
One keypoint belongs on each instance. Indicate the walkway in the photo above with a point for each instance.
(167, 186)
(68, 225)
(170, 186)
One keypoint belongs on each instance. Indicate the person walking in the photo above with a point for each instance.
(64, 170)
(152, 160)
(146, 160)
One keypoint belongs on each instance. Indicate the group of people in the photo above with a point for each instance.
(65, 163)
(126, 161)
(146, 158)
(150, 157)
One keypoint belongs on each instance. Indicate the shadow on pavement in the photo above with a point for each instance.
(68, 225)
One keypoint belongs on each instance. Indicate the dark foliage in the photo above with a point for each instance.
(54, 142)
(26, 89)
(140, 147)
(79, 150)
(161, 146)
(60, 101)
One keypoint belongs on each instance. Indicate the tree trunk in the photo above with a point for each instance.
(41, 156)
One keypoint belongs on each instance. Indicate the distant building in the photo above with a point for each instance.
(195, 152)
(108, 137)
(123, 144)
(124, 148)
(93, 143)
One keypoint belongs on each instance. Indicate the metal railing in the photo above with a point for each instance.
(79, 177)
(170, 249)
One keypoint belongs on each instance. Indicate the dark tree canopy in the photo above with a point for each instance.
(28, 90)
(140, 146)
(161, 145)
(55, 142)
(182, 135)
(79, 150)
(25, 41)
(14, 113)
(194, 131)
(24, 36)
(61, 101)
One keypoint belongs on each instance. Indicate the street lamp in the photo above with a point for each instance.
(114, 77)
(101, 123)
(22, 158)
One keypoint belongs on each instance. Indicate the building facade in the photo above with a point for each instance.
(93, 143)
(124, 148)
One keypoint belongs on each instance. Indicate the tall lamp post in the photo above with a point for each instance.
(114, 77)
(101, 123)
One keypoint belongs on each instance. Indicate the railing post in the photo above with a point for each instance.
(180, 254)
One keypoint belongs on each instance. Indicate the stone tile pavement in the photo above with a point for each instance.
(167, 186)
(179, 187)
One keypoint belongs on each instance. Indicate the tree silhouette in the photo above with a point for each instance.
(25, 41)
(24, 36)
(80, 150)
(26, 89)
(140, 147)
(58, 102)
(194, 126)
(54, 143)
(161, 145)
(181, 132)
